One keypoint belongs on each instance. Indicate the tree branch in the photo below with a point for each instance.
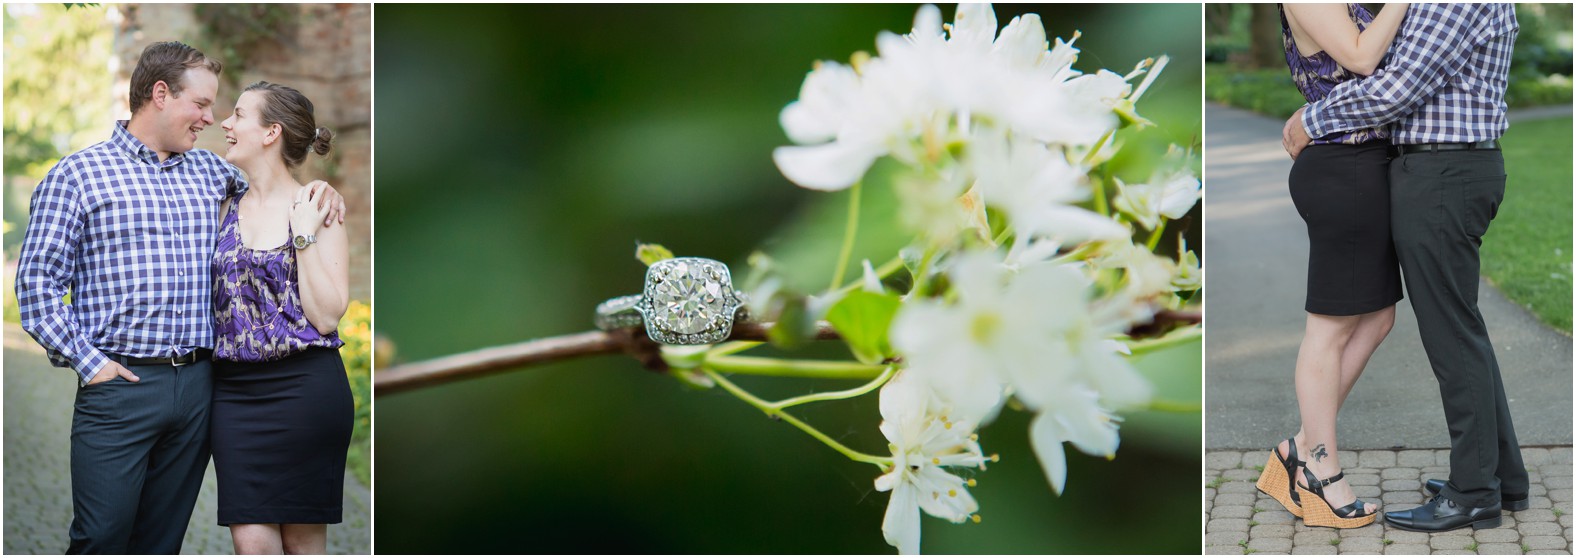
(630, 341)
(482, 362)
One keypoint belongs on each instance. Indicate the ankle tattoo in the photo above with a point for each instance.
(1318, 453)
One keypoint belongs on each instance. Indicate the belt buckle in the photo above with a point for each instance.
(175, 361)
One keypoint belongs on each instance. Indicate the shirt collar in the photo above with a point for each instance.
(122, 139)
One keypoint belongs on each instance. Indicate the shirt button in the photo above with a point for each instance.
(180, 312)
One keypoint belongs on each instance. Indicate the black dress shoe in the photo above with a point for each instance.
(1441, 514)
(1507, 501)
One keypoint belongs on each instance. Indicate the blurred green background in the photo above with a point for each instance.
(522, 153)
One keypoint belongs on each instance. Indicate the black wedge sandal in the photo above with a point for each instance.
(1275, 480)
(1317, 511)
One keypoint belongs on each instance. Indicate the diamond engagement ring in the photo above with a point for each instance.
(687, 301)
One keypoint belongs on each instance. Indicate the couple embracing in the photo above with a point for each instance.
(198, 307)
(1401, 177)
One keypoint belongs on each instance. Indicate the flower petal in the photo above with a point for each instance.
(974, 26)
(901, 524)
(942, 494)
(1022, 41)
(830, 92)
(832, 166)
(1043, 435)
(927, 24)
(1085, 424)
(1181, 193)
(887, 482)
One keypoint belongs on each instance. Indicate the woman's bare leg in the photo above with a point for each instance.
(1324, 378)
(1371, 330)
(305, 538)
(256, 538)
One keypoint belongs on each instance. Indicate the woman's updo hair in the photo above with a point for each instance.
(293, 112)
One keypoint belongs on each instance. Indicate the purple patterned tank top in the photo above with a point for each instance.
(257, 302)
(1317, 75)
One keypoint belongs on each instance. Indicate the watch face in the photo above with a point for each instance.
(299, 241)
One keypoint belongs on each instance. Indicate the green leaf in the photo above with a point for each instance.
(863, 318)
(652, 253)
(793, 325)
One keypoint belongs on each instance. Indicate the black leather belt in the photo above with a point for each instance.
(1437, 147)
(183, 360)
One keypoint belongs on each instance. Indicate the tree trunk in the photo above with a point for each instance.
(1217, 19)
(1265, 48)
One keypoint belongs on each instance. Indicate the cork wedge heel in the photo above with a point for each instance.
(1275, 480)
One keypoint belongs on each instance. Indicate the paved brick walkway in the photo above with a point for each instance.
(1242, 520)
(38, 481)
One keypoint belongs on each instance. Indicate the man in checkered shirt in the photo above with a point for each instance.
(1443, 96)
(126, 229)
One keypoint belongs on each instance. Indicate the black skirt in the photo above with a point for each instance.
(1343, 194)
(280, 432)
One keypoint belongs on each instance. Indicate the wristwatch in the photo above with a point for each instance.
(301, 241)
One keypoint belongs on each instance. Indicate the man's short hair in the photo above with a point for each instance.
(166, 62)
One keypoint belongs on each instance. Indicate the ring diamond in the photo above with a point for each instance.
(686, 301)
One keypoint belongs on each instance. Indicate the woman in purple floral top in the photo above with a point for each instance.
(282, 407)
(1341, 188)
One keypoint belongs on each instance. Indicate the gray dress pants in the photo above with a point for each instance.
(138, 454)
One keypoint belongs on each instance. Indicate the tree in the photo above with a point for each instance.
(1266, 48)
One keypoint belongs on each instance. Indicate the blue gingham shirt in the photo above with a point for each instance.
(1445, 82)
(130, 238)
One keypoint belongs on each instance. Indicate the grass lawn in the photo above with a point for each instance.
(1527, 252)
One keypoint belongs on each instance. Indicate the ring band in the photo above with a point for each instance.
(686, 301)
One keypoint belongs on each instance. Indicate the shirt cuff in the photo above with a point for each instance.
(89, 365)
(1310, 123)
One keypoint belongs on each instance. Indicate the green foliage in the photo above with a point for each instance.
(1527, 251)
(235, 31)
(1539, 51)
(652, 253)
(1228, 34)
(1268, 91)
(355, 329)
(863, 318)
(58, 87)
(1535, 91)
(13, 314)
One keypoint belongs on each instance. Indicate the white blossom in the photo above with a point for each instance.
(1037, 187)
(1033, 332)
(1170, 194)
(930, 86)
(924, 441)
